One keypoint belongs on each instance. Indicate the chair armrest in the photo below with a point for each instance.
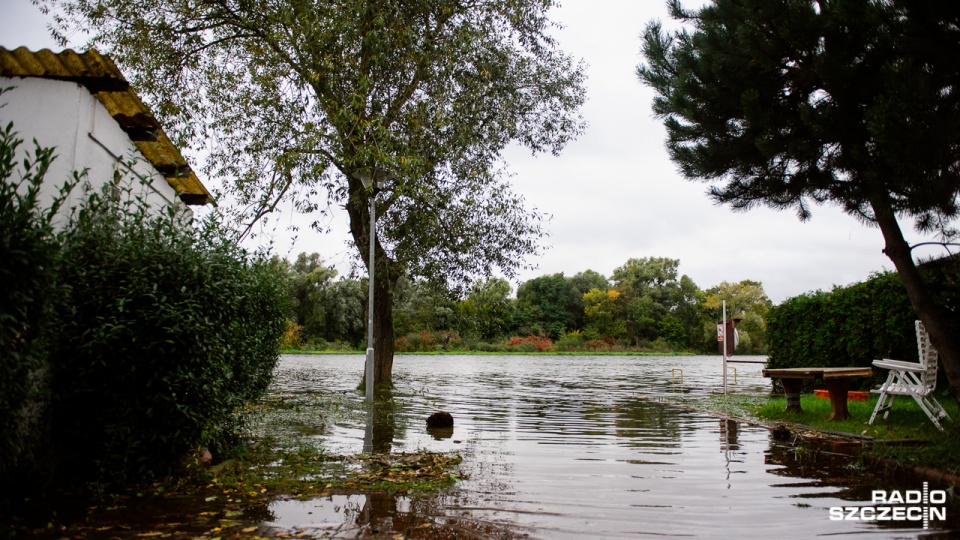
(900, 365)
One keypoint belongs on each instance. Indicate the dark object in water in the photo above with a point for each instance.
(782, 433)
(440, 419)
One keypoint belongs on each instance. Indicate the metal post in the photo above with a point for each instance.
(368, 379)
(724, 322)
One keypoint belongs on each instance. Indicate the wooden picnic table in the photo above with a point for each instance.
(836, 378)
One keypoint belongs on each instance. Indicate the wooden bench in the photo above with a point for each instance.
(836, 378)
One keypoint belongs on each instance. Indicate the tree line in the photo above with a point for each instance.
(645, 304)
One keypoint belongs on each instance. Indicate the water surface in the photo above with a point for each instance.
(579, 447)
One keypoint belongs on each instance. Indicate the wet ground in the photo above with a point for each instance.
(559, 447)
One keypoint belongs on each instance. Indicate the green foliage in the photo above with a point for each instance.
(570, 341)
(747, 301)
(602, 313)
(422, 306)
(849, 326)
(29, 252)
(487, 312)
(795, 103)
(309, 98)
(845, 103)
(651, 292)
(852, 326)
(166, 332)
(429, 342)
(548, 305)
(326, 309)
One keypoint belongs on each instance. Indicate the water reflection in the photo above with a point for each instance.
(580, 447)
(381, 424)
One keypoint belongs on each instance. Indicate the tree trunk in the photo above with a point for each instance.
(386, 274)
(383, 337)
(898, 251)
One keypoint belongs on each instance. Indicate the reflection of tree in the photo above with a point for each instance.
(388, 514)
(638, 416)
(729, 434)
(381, 425)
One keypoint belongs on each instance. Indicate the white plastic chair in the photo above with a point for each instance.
(915, 379)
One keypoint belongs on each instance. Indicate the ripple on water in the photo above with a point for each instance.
(578, 447)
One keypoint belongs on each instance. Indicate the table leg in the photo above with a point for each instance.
(791, 389)
(838, 398)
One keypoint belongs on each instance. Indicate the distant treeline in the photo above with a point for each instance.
(643, 305)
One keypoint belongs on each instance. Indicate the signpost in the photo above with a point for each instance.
(722, 337)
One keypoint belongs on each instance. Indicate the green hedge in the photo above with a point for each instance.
(29, 252)
(127, 339)
(852, 326)
(167, 331)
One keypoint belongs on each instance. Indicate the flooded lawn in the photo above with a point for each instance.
(581, 447)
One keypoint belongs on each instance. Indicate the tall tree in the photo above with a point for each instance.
(584, 282)
(786, 103)
(305, 99)
(487, 312)
(651, 290)
(548, 305)
(746, 301)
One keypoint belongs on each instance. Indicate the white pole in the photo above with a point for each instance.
(724, 322)
(368, 374)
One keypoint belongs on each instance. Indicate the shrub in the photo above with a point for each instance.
(483, 346)
(166, 332)
(852, 326)
(28, 258)
(539, 344)
(597, 345)
(292, 336)
(661, 345)
(570, 341)
(428, 342)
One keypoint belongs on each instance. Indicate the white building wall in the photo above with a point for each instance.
(64, 115)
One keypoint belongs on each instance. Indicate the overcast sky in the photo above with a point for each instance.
(614, 194)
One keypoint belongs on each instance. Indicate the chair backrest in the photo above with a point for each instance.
(928, 357)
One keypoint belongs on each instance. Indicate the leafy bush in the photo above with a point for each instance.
(483, 346)
(292, 336)
(530, 344)
(597, 345)
(571, 341)
(847, 327)
(28, 258)
(167, 330)
(428, 342)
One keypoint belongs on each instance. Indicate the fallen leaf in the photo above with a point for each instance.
(248, 529)
(149, 534)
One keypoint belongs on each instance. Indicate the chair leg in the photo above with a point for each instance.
(886, 409)
(934, 411)
(881, 405)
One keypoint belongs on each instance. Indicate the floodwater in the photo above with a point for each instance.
(586, 447)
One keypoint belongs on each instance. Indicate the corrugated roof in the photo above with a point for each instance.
(101, 76)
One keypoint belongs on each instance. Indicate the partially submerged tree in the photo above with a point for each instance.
(301, 100)
(786, 103)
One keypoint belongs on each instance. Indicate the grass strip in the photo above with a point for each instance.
(906, 435)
